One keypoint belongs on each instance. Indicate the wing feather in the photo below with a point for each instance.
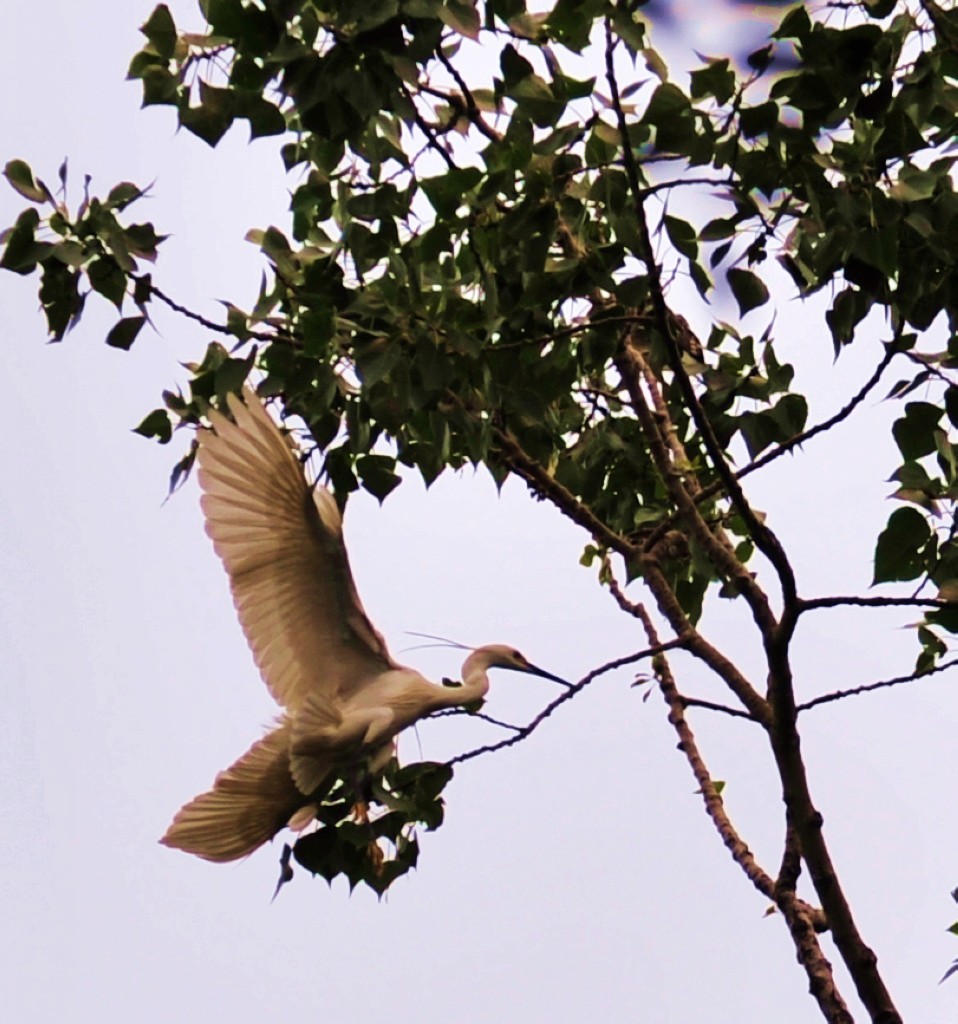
(282, 546)
(249, 803)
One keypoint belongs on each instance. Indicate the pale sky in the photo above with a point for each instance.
(577, 877)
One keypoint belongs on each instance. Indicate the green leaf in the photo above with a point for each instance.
(142, 240)
(124, 332)
(759, 120)
(719, 228)
(447, 192)
(759, 430)
(654, 61)
(899, 553)
(879, 8)
(634, 291)
(377, 473)
(265, 118)
(212, 118)
(715, 79)
(915, 433)
(535, 99)
(231, 375)
(22, 249)
(513, 65)
(760, 59)
(914, 184)
(160, 29)
(795, 25)
(108, 279)
(629, 27)
(570, 22)
(461, 16)
(18, 173)
(157, 424)
(160, 87)
(667, 102)
(748, 288)
(682, 236)
(951, 404)
(122, 195)
(850, 307)
(790, 412)
(60, 297)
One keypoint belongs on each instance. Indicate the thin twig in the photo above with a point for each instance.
(813, 603)
(819, 428)
(827, 698)
(575, 688)
(444, 712)
(696, 702)
(211, 325)
(524, 466)
(431, 136)
(710, 490)
(472, 110)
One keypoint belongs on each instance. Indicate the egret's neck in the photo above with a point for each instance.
(475, 681)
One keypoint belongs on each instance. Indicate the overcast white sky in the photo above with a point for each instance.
(577, 877)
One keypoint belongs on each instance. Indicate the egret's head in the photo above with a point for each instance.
(504, 656)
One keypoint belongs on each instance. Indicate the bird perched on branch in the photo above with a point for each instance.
(344, 698)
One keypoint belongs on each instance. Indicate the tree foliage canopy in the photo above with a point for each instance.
(495, 218)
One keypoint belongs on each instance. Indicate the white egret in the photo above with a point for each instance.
(344, 698)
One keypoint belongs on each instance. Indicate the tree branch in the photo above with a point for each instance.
(802, 919)
(210, 325)
(810, 604)
(832, 421)
(432, 139)
(524, 466)
(700, 648)
(858, 957)
(695, 702)
(799, 917)
(630, 365)
(765, 539)
(828, 698)
(445, 712)
(471, 108)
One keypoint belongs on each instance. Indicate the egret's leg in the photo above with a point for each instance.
(361, 813)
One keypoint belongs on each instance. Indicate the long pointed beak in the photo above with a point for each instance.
(536, 671)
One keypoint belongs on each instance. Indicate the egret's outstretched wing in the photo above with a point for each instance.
(282, 545)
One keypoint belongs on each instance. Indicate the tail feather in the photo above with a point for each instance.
(249, 803)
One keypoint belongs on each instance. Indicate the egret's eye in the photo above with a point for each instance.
(517, 656)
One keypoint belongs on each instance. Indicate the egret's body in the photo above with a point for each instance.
(344, 698)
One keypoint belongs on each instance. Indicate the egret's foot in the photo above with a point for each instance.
(376, 857)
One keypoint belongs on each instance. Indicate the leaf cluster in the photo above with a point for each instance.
(485, 260)
(466, 250)
(377, 851)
